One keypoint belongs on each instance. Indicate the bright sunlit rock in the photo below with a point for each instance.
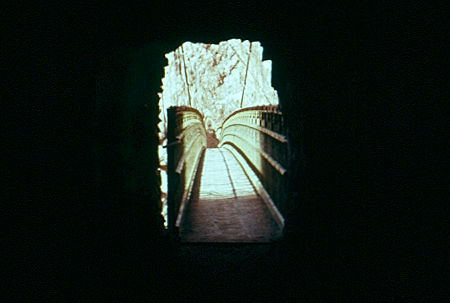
(211, 78)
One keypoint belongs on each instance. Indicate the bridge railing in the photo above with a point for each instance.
(186, 141)
(257, 133)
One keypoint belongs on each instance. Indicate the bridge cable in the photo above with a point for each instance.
(185, 74)
(255, 80)
(246, 71)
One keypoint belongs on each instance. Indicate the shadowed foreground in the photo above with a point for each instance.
(224, 205)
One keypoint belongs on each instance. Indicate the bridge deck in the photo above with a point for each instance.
(224, 206)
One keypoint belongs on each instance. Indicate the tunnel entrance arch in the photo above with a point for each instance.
(216, 80)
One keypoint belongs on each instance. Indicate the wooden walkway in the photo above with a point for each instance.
(224, 206)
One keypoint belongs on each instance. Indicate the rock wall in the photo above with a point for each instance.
(211, 78)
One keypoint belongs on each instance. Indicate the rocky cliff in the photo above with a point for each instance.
(217, 79)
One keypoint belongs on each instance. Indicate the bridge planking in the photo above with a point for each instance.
(224, 206)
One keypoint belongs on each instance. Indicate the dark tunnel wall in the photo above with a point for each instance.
(125, 117)
(127, 167)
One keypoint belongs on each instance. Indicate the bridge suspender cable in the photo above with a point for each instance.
(186, 79)
(256, 81)
(246, 71)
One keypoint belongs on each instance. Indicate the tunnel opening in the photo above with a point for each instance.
(217, 80)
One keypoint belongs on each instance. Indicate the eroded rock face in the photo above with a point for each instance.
(211, 78)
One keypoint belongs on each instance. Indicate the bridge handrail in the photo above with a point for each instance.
(271, 160)
(186, 141)
(257, 133)
(273, 134)
(266, 108)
